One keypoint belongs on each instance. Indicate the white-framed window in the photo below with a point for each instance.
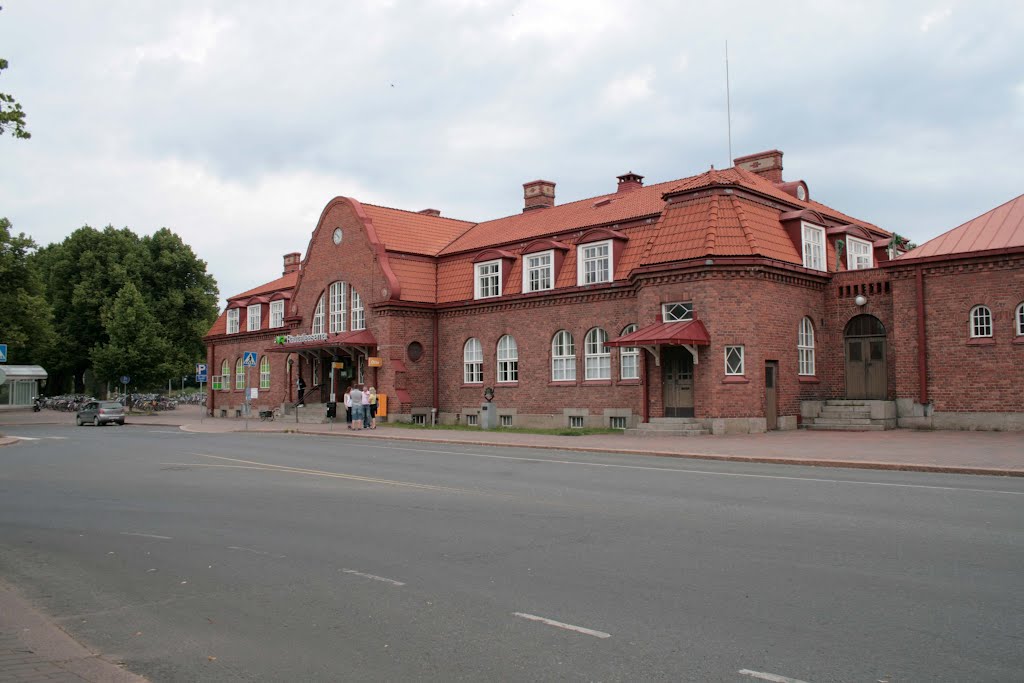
(618, 422)
(629, 357)
(859, 254)
(678, 311)
(594, 263)
(336, 321)
(1019, 317)
(471, 420)
(508, 359)
(576, 422)
(487, 282)
(563, 357)
(734, 360)
(232, 320)
(981, 321)
(814, 247)
(473, 362)
(597, 358)
(318, 317)
(539, 271)
(805, 347)
(239, 374)
(506, 420)
(277, 313)
(358, 312)
(253, 318)
(225, 374)
(265, 372)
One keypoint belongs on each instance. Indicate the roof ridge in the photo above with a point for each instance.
(711, 233)
(417, 213)
(747, 232)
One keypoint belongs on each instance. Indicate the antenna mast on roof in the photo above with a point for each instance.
(728, 101)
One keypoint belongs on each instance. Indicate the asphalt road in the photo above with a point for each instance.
(297, 558)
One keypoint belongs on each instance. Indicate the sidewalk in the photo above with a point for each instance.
(997, 453)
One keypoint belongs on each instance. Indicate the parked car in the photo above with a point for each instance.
(100, 413)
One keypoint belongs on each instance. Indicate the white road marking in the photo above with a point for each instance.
(706, 472)
(163, 431)
(133, 533)
(373, 576)
(24, 438)
(258, 552)
(559, 624)
(769, 677)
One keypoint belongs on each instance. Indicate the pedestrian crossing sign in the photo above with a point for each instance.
(249, 359)
(3, 353)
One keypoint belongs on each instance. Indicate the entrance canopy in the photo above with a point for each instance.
(687, 333)
(341, 342)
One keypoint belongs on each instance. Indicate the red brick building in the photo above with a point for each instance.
(729, 301)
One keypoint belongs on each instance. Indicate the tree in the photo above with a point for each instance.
(137, 347)
(12, 117)
(25, 316)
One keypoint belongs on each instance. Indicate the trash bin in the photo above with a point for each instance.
(488, 416)
(332, 409)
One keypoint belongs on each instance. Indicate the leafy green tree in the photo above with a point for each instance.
(137, 347)
(25, 316)
(12, 117)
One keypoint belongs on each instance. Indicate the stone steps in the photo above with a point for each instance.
(669, 427)
(815, 426)
(851, 415)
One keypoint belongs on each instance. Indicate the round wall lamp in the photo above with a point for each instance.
(860, 300)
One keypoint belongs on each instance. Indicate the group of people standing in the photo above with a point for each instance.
(361, 407)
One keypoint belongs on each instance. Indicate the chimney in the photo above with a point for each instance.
(291, 262)
(539, 194)
(629, 182)
(430, 212)
(768, 164)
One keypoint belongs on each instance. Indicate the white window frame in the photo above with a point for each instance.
(805, 347)
(472, 362)
(265, 372)
(508, 359)
(253, 314)
(673, 318)
(233, 320)
(493, 286)
(563, 357)
(337, 297)
(277, 313)
(358, 319)
(318, 317)
(980, 324)
(813, 258)
(737, 352)
(597, 357)
(225, 374)
(629, 357)
(583, 259)
(1019, 317)
(239, 375)
(544, 271)
(852, 258)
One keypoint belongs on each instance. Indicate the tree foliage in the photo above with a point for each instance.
(136, 346)
(25, 318)
(12, 116)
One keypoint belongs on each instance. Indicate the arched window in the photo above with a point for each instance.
(563, 357)
(265, 372)
(597, 357)
(358, 314)
(508, 359)
(225, 375)
(629, 357)
(337, 315)
(473, 362)
(1019, 317)
(805, 347)
(981, 321)
(239, 375)
(318, 317)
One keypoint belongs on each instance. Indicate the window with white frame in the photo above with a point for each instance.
(473, 362)
(488, 279)
(506, 420)
(597, 358)
(225, 375)
(358, 313)
(594, 263)
(318, 317)
(254, 318)
(265, 372)
(563, 357)
(679, 311)
(734, 360)
(814, 247)
(576, 421)
(858, 254)
(471, 419)
(508, 359)
(981, 321)
(239, 374)
(629, 357)
(805, 347)
(232, 320)
(1019, 317)
(277, 313)
(539, 271)
(336, 321)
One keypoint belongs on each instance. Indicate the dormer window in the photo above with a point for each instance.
(858, 254)
(233, 320)
(594, 263)
(814, 246)
(487, 282)
(277, 313)
(254, 318)
(539, 271)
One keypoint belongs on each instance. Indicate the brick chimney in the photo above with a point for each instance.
(629, 182)
(291, 262)
(539, 194)
(430, 212)
(768, 164)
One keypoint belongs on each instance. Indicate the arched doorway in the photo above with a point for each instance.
(866, 372)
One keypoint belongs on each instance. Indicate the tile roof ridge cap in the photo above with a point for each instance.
(711, 232)
(745, 225)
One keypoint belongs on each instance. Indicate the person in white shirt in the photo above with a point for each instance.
(348, 407)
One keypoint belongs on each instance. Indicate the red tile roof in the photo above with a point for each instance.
(1000, 228)
(418, 278)
(688, 332)
(414, 233)
(283, 282)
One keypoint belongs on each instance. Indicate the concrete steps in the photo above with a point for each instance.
(669, 427)
(849, 415)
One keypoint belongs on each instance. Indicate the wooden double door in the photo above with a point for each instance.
(677, 381)
(866, 372)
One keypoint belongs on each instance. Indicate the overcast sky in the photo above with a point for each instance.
(234, 123)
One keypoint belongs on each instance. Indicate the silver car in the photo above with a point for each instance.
(99, 413)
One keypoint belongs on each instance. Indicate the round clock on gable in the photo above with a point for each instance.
(337, 235)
